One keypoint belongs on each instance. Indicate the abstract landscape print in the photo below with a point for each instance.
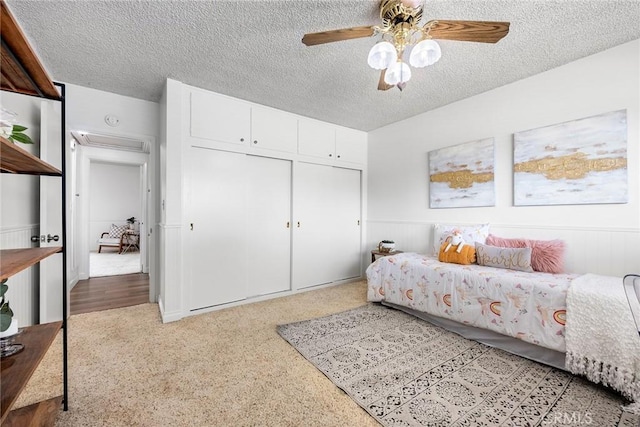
(579, 162)
(462, 175)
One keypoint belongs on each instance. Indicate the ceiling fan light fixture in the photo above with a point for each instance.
(412, 3)
(382, 55)
(397, 73)
(425, 53)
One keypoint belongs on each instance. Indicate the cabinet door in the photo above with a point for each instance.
(273, 130)
(316, 139)
(346, 227)
(313, 241)
(268, 225)
(351, 145)
(218, 252)
(219, 118)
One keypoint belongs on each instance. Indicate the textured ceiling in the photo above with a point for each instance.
(252, 50)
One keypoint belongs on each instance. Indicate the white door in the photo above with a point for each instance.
(217, 210)
(268, 225)
(51, 214)
(313, 243)
(346, 227)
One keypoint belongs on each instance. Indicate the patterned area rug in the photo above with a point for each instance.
(406, 372)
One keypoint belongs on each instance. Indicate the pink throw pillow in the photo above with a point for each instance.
(547, 256)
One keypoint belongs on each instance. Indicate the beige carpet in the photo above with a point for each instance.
(225, 368)
(407, 372)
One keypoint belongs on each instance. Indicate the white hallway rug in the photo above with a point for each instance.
(113, 264)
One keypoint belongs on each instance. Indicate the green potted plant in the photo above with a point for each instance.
(131, 222)
(10, 130)
(8, 325)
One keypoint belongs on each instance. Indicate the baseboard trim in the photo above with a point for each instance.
(168, 317)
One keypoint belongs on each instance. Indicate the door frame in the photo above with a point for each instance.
(146, 162)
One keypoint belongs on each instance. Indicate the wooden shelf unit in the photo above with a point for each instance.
(16, 370)
(13, 261)
(22, 72)
(15, 159)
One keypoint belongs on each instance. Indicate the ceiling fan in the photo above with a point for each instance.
(404, 40)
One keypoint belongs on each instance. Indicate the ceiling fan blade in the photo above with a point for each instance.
(312, 39)
(469, 31)
(382, 85)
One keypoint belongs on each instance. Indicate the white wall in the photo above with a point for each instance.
(20, 193)
(114, 197)
(602, 239)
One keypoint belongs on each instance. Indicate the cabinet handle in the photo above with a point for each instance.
(338, 155)
(54, 238)
(191, 226)
(255, 142)
(330, 155)
(288, 224)
(298, 224)
(241, 139)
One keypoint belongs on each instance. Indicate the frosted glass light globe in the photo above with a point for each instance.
(411, 3)
(397, 73)
(427, 52)
(382, 55)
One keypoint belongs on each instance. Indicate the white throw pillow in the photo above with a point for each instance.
(471, 233)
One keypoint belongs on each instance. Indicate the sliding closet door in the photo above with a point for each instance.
(268, 225)
(327, 220)
(313, 244)
(218, 208)
(346, 223)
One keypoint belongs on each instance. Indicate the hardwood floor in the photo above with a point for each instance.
(103, 293)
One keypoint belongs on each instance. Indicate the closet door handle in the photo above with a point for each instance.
(288, 224)
(298, 224)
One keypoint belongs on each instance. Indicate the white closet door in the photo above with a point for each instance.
(346, 223)
(219, 237)
(268, 225)
(313, 243)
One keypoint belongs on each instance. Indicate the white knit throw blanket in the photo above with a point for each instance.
(602, 342)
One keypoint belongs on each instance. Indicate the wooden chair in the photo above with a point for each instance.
(114, 242)
(631, 284)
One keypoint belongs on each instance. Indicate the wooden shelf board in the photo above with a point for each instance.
(22, 71)
(16, 370)
(41, 414)
(14, 159)
(13, 261)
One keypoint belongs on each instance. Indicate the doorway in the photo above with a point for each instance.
(114, 212)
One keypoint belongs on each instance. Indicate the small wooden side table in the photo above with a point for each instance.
(376, 253)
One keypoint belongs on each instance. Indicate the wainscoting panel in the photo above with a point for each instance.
(606, 251)
(23, 287)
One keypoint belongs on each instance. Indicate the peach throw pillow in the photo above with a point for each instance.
(547, 256)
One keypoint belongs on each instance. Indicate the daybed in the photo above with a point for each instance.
(522, 312)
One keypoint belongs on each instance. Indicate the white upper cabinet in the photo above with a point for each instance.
(220, 118)
(316, 139)
(254, 128)
(331, 142)
(273, 129)
(351, 145)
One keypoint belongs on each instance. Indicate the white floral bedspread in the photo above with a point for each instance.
(528, 306)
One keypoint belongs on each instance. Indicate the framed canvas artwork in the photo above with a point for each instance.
(462, 175)
(578, 162)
